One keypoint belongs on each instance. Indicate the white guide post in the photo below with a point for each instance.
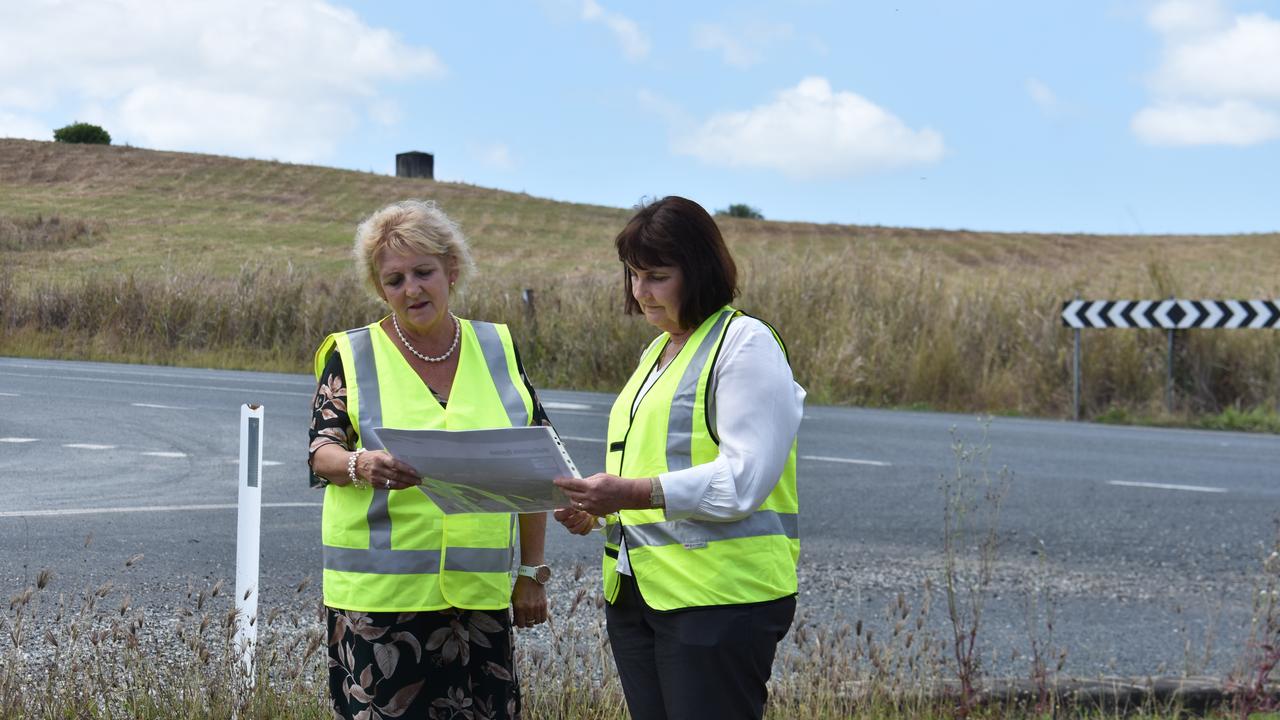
(248, 534)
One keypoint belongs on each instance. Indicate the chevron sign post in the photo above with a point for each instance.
(1171, 315)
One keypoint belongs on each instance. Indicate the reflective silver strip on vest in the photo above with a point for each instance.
(380, 558)
(495, 356)
(417, 562)
(382, 562)
(613, 533)
(697, 533)
(491, 560)
(680, 421)
(370, 417)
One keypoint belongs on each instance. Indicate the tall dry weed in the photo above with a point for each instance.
(52, 233)
(861, 329)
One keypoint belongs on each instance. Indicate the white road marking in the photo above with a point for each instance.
(564, 405)
(88, 446)
(851, 461)
(589, 413)
(158, 407)
(269, 462)
(18, 440)
(10, 394)
(151, 508)
(155, 372)
(166, 454)
(581, 439)
(1167, 486)
(246, 391)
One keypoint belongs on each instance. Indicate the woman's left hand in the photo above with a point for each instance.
(603, 493)
(528, 602)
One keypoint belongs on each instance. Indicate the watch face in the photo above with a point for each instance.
(542, 574)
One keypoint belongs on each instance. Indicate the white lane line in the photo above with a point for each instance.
(247, 391)
(1167, 486)
(10, 394)
(88, 446)
(269, 462)
(564, 405)
(166, 454)
(159, 407)
(155, 372)
(18, 440)
(581, 439)
(583, 412)
(151, 508)
(851, 461)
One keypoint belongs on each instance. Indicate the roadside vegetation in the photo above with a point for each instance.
(122, 254)
(95, 653)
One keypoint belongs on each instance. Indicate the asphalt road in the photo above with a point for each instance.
(1145, 543)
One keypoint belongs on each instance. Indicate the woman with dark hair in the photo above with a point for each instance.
(699, 493)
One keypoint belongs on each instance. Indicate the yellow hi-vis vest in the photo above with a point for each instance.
(395, 551)
(693, 563)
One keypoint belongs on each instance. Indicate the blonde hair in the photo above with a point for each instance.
(411, 226)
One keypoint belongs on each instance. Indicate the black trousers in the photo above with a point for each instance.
(703, 663)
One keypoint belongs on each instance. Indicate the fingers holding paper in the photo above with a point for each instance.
(384, 471)
(602, 493)
(578, 522)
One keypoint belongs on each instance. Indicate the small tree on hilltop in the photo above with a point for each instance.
(742, 210)
(81, 132)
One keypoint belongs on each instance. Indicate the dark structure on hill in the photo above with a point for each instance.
(414, 164)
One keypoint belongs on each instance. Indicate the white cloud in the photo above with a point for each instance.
(1241, 61)
(385, 112)
(1175, 17)
(1228, 123)
(663, 107)
(496, 155)
(285, 79)
(1043, 96)
(811, 132)
(635, 44)
(741, 46)
(1218, 81)
(26, 128)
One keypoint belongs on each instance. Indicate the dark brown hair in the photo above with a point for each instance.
(676, 231)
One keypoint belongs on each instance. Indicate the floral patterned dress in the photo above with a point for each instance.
(437, 664)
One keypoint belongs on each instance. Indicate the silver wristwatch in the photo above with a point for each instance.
(540, 573)
(657, 499)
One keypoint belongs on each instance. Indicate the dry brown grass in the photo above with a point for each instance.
(244, 263)
(182, 210)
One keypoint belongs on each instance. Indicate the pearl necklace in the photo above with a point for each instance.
(457, 333)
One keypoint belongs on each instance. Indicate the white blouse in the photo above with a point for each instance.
(756, 406)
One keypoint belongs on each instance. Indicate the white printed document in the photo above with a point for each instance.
(498, 470)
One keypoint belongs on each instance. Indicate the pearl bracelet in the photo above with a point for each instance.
(351, 470)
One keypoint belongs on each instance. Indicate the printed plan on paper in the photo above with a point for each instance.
(500, 470)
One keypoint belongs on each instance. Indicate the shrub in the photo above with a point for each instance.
(84, 133)
(742, 210)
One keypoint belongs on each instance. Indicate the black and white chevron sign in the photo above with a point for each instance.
(1171, 314)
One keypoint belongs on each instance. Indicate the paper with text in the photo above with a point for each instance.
(498, 470)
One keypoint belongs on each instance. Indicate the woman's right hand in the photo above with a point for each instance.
(382, 471)
(578, 522)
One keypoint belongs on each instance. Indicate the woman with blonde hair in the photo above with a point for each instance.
(421, 604)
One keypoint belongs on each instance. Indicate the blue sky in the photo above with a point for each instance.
(1105, 116)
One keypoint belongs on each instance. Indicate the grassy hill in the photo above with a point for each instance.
(173, 242)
